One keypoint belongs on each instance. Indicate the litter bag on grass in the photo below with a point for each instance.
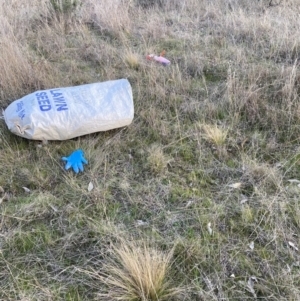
(65, 113)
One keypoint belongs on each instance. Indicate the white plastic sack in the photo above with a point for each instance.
(65, 113)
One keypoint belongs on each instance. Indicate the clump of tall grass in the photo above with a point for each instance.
(138, 273)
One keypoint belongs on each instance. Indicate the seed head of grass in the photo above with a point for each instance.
(138, 273)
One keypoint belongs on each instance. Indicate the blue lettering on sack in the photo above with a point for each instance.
(43, 101)
(59, 100)
(19, 106)
(45, 104)
(20, 109)
(22, 114)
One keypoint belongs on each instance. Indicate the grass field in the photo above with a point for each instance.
(197, 199)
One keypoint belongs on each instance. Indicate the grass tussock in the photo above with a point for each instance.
(132, 60)
(211, 159)
(157, 160)
(138, 273)
(214, 134)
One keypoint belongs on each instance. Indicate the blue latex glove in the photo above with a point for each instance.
(75, 161)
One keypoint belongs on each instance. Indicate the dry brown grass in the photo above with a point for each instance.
(138, 273)
(214, 142)
(157, 160)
